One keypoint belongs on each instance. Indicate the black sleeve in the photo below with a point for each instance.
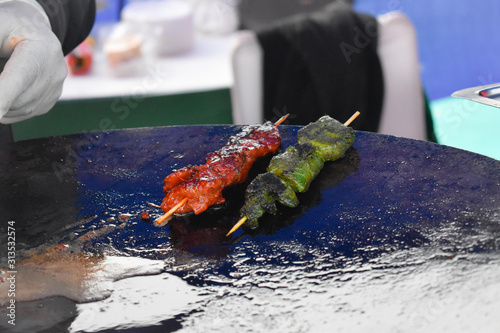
(71, 20)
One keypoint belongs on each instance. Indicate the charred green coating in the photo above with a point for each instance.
(297, 166)
(329, 137)
(293, 170)
(261, 197)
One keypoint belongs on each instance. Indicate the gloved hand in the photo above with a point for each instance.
(34, 67)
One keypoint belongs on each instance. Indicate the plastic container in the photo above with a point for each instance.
(123, 51)
(166, 26)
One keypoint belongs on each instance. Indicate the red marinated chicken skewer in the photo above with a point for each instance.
(195, 188)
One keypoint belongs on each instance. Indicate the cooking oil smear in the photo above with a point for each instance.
(418, 289)
(80, 277)
(141, 301)
(108, 292)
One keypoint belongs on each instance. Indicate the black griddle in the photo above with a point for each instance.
(387, 194)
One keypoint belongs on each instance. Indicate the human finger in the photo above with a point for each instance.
(19, 71)
(34, 108)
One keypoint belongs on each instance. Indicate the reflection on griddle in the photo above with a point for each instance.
(331, 175)
(206, 233)
(38, 190)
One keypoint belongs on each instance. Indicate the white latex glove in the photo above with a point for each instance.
(34, 68)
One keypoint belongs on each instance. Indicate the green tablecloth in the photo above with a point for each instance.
(81, 116)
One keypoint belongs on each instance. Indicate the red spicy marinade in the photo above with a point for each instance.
(202, 185)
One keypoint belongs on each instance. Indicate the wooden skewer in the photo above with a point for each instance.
(282, 119)
(244, 218)
(350, 120)
(237, 225)
(171, 211)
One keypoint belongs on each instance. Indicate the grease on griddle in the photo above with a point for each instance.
(206, 233)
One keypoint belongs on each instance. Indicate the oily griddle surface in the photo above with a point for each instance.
(398, 229)
(383, 184)
(386, 188)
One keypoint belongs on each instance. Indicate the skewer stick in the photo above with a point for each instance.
(282, 119)
(244, 218)
(237, 225)
(350, 120)
(171, 211)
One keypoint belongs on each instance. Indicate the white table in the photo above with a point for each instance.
(207, 66)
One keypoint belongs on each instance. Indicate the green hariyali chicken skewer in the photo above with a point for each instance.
(293, 170)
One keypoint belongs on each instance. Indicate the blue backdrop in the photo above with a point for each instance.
(458, 40)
